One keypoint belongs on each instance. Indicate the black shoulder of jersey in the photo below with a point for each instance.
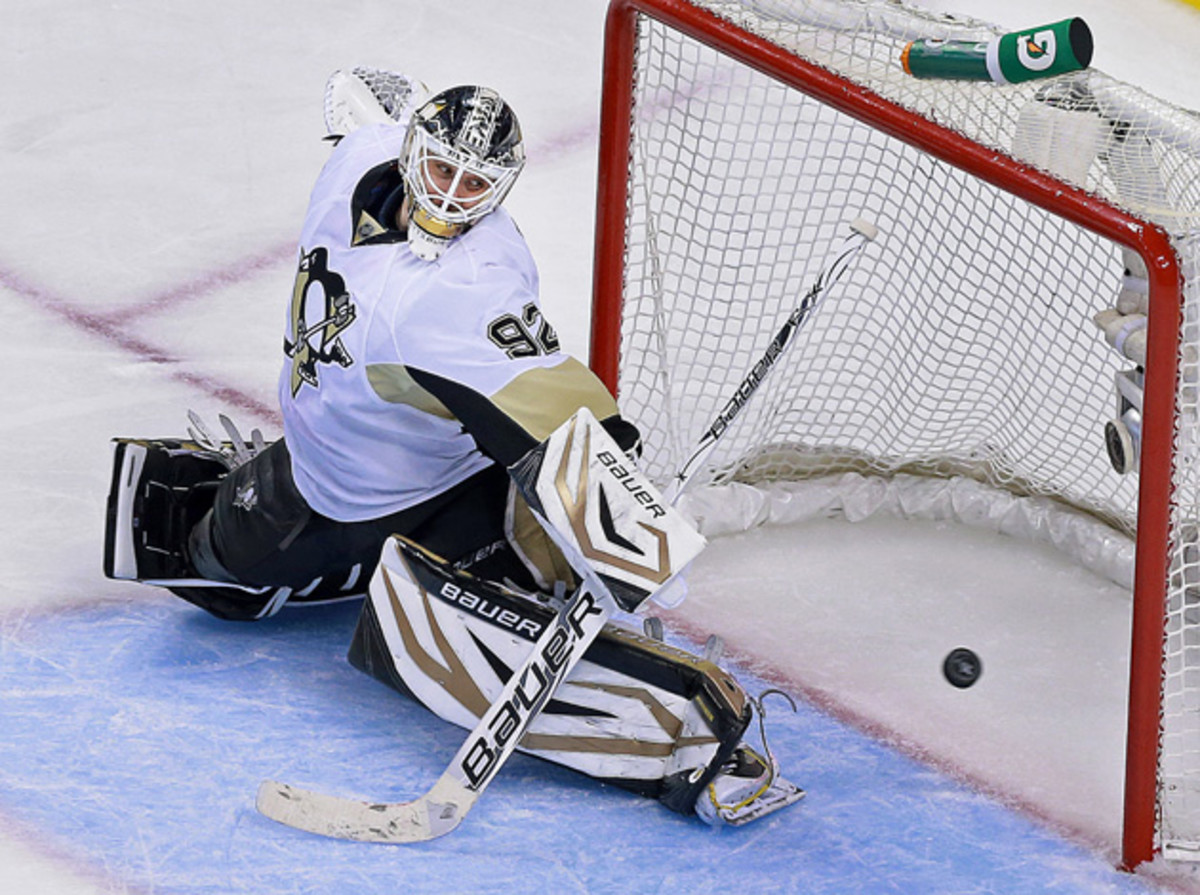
(374, 204)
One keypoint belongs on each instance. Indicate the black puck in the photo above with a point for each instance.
(962, 667)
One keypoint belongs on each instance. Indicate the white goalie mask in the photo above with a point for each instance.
(461, 156)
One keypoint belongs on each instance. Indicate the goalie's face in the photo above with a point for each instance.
(455, 184)
(462, 155)
(454, 188)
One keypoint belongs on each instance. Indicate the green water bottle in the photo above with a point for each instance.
(1040, 52)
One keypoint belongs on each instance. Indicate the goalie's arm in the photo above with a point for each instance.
(595, 504)
(524, 413)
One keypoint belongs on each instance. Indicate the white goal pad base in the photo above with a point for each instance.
(735, 507)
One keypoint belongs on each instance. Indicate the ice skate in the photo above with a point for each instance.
(746, 788)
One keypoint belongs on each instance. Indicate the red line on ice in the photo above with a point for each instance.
(110, 330)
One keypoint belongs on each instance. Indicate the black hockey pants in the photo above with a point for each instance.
(261, 532)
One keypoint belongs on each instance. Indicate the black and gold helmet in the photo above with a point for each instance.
(461, 156)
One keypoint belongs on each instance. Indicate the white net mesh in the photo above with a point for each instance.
(962, 342)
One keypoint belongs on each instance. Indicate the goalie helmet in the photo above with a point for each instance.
(461, 156)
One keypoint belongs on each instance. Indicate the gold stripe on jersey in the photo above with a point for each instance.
(542, 399)
(393, 384)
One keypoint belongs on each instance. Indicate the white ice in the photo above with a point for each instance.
(154, 166)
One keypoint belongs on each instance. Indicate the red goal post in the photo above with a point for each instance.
(833, 55)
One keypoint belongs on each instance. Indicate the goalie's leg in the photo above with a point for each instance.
(238, 540)
(160, 493)
(159, 489)
(634, 712)
(261, 531)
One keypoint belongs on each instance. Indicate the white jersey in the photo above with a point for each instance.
(379, 342)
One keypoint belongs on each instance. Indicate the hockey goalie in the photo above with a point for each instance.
(443, 456)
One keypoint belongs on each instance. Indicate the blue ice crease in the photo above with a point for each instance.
(135, 734)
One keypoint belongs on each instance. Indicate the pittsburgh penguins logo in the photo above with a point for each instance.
(319, 342)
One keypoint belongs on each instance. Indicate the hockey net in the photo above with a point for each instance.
(962, 353)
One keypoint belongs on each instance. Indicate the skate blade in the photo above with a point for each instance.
(781, 794)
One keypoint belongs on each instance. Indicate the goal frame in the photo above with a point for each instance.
(1149, 241)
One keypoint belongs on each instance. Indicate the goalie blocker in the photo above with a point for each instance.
(615, 529)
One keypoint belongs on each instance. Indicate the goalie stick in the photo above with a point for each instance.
(862, 232)
(443, 807)
(496, 735)
(560, 483)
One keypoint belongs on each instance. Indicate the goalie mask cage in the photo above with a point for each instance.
(740, 137)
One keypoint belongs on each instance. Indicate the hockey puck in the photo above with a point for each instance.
(962, 667)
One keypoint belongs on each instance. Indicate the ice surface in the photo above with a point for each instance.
(139, 731)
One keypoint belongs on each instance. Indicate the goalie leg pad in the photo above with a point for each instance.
(160, 488)
(634, 712)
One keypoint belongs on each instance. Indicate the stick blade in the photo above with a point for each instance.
(428, 817)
